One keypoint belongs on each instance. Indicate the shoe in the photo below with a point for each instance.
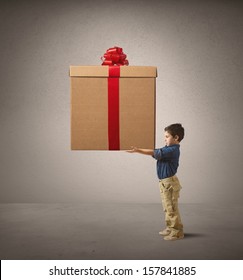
(172, 238)
(165, 232)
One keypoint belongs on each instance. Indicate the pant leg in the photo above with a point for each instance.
(167, 220)
(170, 190)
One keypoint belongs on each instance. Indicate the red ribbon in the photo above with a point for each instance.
(114, 58)
(113, 108)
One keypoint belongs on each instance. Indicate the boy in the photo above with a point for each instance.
(167, 165)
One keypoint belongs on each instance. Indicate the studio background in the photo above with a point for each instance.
(197, 48)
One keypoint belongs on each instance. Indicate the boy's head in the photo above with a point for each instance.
(174, 133)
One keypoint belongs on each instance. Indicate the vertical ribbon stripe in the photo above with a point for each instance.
(113, 108)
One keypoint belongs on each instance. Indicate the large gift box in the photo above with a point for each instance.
(112, 107)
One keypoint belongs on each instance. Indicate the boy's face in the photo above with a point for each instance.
(170, 140)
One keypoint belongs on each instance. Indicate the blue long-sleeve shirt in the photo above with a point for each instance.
(167, 160)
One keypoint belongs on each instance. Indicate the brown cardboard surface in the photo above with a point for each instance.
(89, 107)
(89, 71)
(89, 119)
(137, 113)
(103, 71)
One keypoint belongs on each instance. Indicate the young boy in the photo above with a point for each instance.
(167, 165)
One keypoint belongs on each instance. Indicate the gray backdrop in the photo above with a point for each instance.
(197, 47)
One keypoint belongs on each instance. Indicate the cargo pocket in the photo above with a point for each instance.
(167, 192)
(167, 186)
(175, 196)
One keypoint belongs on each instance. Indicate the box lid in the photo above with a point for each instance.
(103, 71)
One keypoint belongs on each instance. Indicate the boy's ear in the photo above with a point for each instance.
(176, 137)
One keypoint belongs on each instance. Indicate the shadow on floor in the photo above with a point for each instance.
(194, 235)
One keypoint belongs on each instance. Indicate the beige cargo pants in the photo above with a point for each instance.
(169, 190)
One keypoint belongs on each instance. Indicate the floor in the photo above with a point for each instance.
(117, 231)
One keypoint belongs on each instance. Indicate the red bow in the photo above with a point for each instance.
(114, 56)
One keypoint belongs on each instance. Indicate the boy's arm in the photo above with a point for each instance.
(148, 152)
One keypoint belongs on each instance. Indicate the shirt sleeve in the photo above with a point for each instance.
(163, 153)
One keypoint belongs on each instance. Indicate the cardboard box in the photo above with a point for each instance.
(112, 108)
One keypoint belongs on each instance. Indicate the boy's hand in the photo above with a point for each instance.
(133, 150)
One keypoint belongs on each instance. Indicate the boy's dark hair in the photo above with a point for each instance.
(176, 129)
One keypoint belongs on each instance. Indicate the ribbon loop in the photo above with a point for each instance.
(114, 56)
